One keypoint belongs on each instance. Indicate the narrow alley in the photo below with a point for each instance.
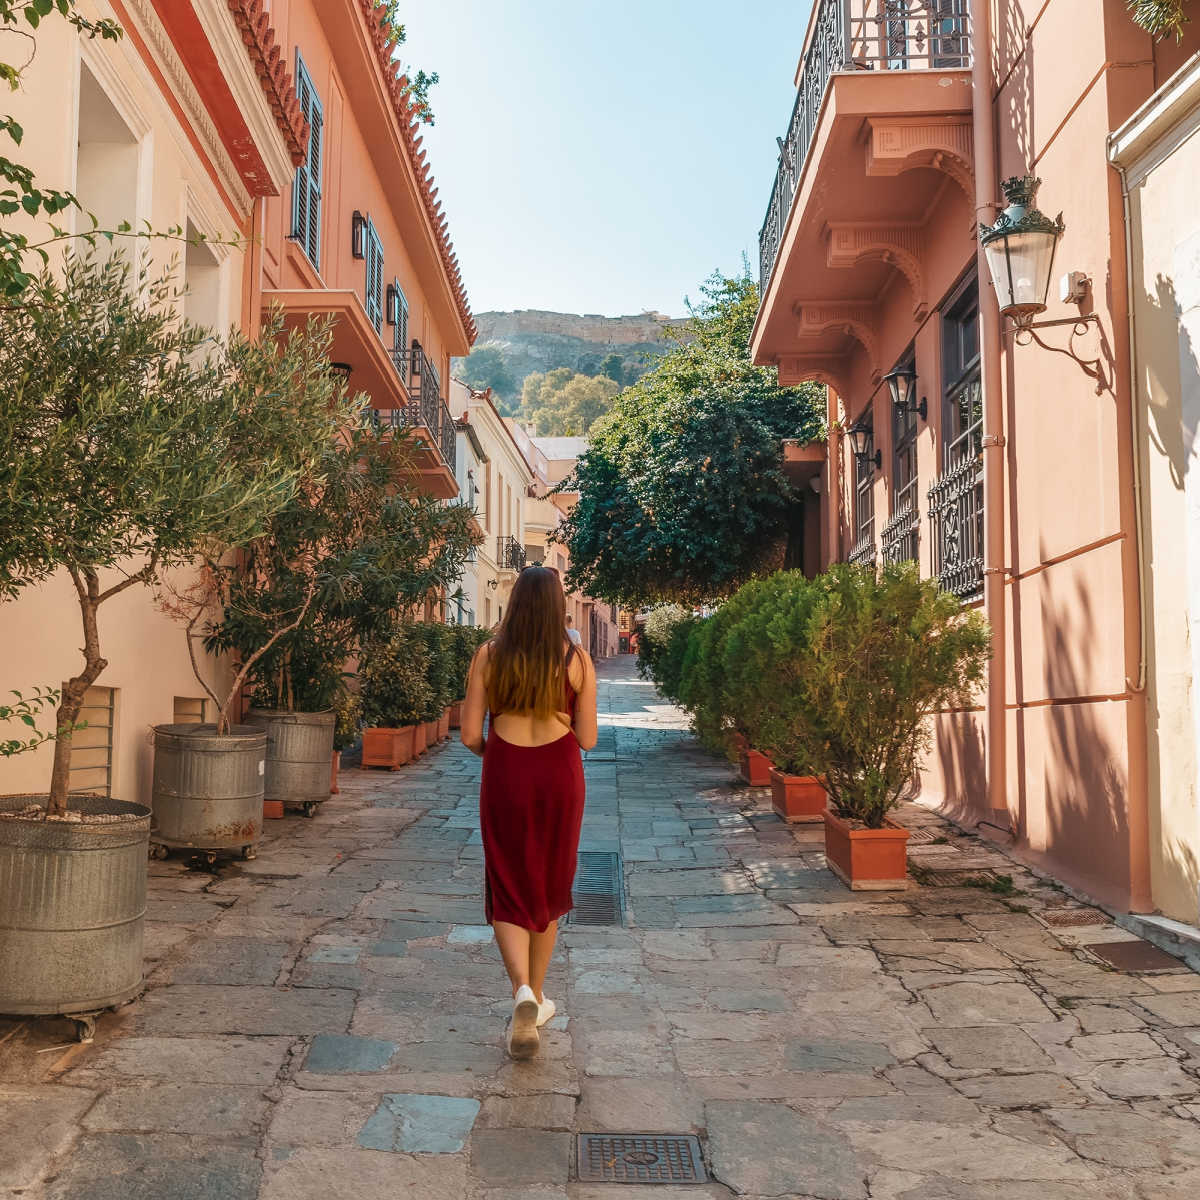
(327, 1021)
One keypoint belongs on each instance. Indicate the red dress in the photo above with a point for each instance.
(530, 812)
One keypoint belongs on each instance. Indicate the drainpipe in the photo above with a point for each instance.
(994, 599)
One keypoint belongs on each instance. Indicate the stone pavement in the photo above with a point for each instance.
(326, 1022)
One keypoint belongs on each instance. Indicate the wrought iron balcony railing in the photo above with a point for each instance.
(510, 554)
(857, 35)
(900, 536)
(425, 407)
(956, 518)
(863, 554)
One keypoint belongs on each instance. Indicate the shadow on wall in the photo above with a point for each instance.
(1012, 64)
(959, 745)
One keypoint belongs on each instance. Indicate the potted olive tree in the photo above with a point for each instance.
(875, 657)
(141, 438)
(373, 543)
(394, 687)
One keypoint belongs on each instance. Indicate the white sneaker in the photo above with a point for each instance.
(545, 1011)
(523, 1037)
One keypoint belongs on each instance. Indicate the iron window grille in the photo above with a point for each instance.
(373, 292)
(956, 497)
(863, 552)
(306, 187)
(510, 554)
(900, 536)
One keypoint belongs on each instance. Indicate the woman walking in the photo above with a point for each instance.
(539, 695)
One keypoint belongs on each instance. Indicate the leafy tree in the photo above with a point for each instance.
(142, 438)
(564, 403)
(487, 367)
(369, 543)
(614, 368)
(682, 490)
(1160, 17)
(419, 82)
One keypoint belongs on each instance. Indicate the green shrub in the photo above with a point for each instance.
(394, 683)
(439, 667)
(348, 710)
(655, 635)
(863, 662)
(464, 641)
(669, 668)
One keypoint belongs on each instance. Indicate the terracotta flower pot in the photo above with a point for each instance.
(335, 763)
(390, 748)
(431, 734)
(420, 740)
(456, 715)
(755, 768)
(444, 726)
(874, 860)
(798, 797)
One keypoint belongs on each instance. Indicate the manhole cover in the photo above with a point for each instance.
(1134, 956)
(640, 1158)
(1067, 917)
(598, 893)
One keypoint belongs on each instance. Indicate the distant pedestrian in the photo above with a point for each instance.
(538, 693)
(574, 633)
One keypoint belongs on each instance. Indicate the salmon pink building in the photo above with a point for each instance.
(1020, 466)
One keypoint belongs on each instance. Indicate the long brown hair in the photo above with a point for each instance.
(527, 659)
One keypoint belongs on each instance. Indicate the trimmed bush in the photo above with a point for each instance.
(464, 641)
(394, 684)
(655, 635)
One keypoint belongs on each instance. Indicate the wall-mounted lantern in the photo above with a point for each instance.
(358, 228)
(862, 442)
(902, 383)
(1020, 250)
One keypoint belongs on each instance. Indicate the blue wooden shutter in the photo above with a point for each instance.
(306, 190)
(374, 265)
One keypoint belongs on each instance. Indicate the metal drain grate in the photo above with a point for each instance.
(1065, 918)
(922, 836)
(957, 878)
(640, 1158)
(598, 894)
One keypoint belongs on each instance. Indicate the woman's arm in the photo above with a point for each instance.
(586, 724)
(474, 708)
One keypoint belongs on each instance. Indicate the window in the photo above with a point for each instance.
(864, 499)
(107, 165)
(373, 248)
(956, 498)
(92, 747)
(202, 275)
(306, 189)
(189, 710)
(898, 541)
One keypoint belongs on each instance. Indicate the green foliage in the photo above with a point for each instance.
(614, 369)
(1160, 17)
(393, 679)
(465, 640)
(655, 635)
(370, 542)
(143, 439)
(348, 710)
(562, 404)
(682, 490)
(437, 641)
(19, 191)
(487, 367)
(419, 82)
(26, 709)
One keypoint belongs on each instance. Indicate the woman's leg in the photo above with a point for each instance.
(541, 946)
(514, 943)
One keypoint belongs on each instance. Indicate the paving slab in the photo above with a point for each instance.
(37, 1122)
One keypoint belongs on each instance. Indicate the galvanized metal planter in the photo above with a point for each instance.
(208, 788)
(299, 748)
(72, 904)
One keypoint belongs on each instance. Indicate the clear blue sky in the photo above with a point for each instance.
(604, 158)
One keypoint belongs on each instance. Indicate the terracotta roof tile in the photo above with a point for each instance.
(276, 79)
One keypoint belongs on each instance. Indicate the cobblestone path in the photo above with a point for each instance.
(326, 1022)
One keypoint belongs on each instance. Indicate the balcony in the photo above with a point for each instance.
(510, 554)
(425, 414)
(881, 120)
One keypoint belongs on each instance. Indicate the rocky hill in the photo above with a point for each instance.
(512, 345)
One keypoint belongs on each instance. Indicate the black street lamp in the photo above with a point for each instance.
(902, 383)
(862, 438)
(1020, 250)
